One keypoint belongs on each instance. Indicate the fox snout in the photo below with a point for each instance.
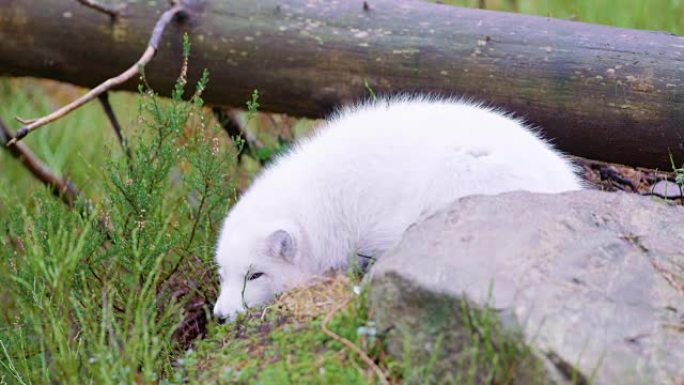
(225, 311)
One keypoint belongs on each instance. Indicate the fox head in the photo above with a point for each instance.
(256, 261)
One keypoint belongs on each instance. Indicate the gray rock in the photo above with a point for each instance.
(666, 189)
(590, 284)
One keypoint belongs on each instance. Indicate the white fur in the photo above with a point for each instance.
(360, 180)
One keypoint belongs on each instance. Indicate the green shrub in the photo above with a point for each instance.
(97, 294)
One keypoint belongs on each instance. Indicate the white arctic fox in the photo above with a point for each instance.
(362, 178)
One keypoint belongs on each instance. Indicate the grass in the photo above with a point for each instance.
(116, 294)
(75, 147)
(98, 295)
(657, 15)
(284, 343)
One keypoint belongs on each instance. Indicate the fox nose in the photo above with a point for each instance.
(221, 316)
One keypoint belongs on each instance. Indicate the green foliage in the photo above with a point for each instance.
(659, 15)
(75, 146)
(91, 295)
(253, 105)
(679, 176)
(265, 153)
(493, 354)
(679, 172)
(268, 346)
(445, 340)
(371, 93)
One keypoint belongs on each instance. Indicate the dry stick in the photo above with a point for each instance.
(61, 188)
(152, 46)
(350, 345)
(104, 100)
(113, 12)
(234, 118)
(234, 126)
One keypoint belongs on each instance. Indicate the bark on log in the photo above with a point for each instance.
(603, 93)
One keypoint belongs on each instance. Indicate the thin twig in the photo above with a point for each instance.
(61, 188)
(181, 258)
(113, 12)
(324, 327)
(235, 126)
(200, 210)
(104, 100)
(152, 46)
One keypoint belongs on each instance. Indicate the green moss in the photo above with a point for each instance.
(276, 349)
(439, 338)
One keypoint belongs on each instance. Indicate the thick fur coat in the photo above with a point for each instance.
(365, 176)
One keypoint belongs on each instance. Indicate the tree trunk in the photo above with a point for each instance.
(603, 93)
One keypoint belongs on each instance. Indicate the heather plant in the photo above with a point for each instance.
(99, 293)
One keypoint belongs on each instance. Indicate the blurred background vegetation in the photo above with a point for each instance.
(657, 15)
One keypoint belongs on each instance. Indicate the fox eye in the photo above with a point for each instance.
(254, 276)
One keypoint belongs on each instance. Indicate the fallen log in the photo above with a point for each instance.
(602, 93)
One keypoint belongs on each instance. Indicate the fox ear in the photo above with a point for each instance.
(281, 244)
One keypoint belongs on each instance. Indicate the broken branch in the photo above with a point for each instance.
(61, 188)
(236, 126)
(152, 47)
(109, 111)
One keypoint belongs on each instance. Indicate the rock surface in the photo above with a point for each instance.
(592, 283)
